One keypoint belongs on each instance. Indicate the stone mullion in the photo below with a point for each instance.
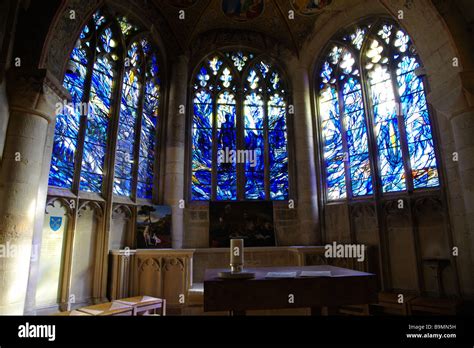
(65, 277)
(214, 180)
(240, 141)
(383, 252)
(102, 241)
(138, 132)
(266, 137)
(409, 173)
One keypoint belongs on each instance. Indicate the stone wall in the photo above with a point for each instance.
(450, 89)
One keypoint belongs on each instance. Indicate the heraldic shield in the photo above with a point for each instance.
(55, 222)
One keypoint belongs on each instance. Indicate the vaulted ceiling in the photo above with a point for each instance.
(275, 21)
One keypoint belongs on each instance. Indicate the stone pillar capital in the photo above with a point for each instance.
(182, 59)
(455, 97)
(35, 92)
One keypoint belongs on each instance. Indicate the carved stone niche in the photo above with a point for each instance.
(98, 209)
(364, 223)
(397, 207)
(122, 212)
(64, 202)
(432, 228)
(121, 234)
(431, 203)
(361, 210)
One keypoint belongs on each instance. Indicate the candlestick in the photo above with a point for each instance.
(236, 255)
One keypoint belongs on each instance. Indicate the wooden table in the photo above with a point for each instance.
(344, 287)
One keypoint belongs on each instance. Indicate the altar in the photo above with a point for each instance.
(272, 289)
(179, 275)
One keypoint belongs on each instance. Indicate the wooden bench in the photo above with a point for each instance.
(145, 305)
(389, 304)
(434, 306)
(74, 313)
(109, 309)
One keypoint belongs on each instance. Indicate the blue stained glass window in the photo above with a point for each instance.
(239, 133)
(278, 146)
(67, 123)
(96, 132)
(202, 146)
(138, 111)
(254, 119)
(333, 146)
(131, 96)
(226, 142)
(150, 120)
(397, 106)
(127, 27)
(240, 59)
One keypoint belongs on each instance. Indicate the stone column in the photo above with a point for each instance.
(304, 142)
(32, 99)
(175, 147)
(4, 114)
(30, 302)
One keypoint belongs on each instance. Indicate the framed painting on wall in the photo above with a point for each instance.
(250, 221)
(154, 227)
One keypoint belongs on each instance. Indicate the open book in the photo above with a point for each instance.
(281, 275)
(309, 274)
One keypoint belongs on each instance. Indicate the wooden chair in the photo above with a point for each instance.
(145, 305)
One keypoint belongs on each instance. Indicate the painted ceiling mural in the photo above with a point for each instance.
(310, 7)
(182, 3)
(269, 17)
(243, 10)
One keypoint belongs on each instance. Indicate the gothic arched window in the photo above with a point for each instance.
(239, 130)
(374, 118)
(110, 128)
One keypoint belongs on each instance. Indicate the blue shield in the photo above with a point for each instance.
(55, 222)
